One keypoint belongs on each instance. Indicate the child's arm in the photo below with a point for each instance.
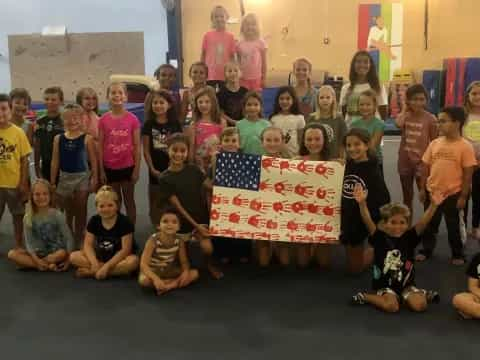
(36, 157)
(200, 228)
(30, 245)
(361, 198)
(400, 119)
(466, 183)
(190, 133)
(421, 225)
(145, 264)
(203, 55)
(263, 53)
(102, 177)
(23, 188)
(148, 156)
(182, 256)
(184, 107)
(208, 183)
(127, 241)
(474, 286)
(376, 140)
(89, 251)
(227, 119)
(92, 157)
(30, 133)
(55, 161)
(136, 155)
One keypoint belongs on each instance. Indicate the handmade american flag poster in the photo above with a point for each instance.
(266, 198)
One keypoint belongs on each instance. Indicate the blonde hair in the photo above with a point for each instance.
(71, 108)
(309, 65)
(229, 131)
(253, 17)
(233, 64)
(117, 83)
(84, 92)
(389, 210)
(333, 107)
(31, 208)
(466, 101)
(106, 192)
(215, 110)
(221, 8)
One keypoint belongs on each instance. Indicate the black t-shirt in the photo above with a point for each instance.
(473, 269)
(159, 135)
(46, 128)
(187, 185)
(231, 103)
(109, 242)
(394, 260)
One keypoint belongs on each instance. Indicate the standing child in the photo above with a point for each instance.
(164, 264)
(418, 128)
(231, 94)
(307, 94)
(160, 123)
(251, 127)
(48, 239)
(468, 303)
(314, 146)
(394, 246)
(46, 128)
(450, 160)
(361, 168)
(119, 148)
(109, 247)
(363, 76)
(72, 152)
(204, 133)
(252, 54)
(367, 103)
(20, 102)
(87, 98)
(14, 164)
(218, 46)
(198, 73)
(287, 116)
(328, 116)
(166, 75)
(184, 185)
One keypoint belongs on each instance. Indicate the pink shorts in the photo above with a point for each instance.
(252, 84)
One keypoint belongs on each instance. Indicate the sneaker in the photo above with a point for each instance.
(358, 299)
(433, 297)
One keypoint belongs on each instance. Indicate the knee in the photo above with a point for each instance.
(392, 306)
(76, 257)
(194, 275)
(12, 254)
(144, 281)
(458, 300)
(62, 254)
(206, 246)
(418, 304)
(132, 262)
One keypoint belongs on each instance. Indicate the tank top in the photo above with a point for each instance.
(164, 256)
(73, 154)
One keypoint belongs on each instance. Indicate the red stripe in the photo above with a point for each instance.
(462, 63)
(363, 28)
(450, 67)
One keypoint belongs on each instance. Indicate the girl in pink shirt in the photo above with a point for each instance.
(87, 98)
(218, 46)
(252, 55)
(204, 133)
(119, 148)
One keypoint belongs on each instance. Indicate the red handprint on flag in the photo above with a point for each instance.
(304, 168)
(324, 193)
(282, 186)
(239, 201)
(303, 190)
(321, 169)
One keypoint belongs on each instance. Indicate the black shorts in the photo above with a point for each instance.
(353, 237)
(119, 175)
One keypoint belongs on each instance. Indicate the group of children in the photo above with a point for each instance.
(77, 153)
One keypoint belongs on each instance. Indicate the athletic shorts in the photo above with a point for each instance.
(68, 183)
(119, 175)
(9, 197)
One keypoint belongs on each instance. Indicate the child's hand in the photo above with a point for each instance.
(93, 185)
(183, 278)
(437, 198)
(103, 177)
(22, 192)
(461, 202)
(359, 194)
(63, 266)
(156, 173)
(340, 161)
(135, 176)
(96, 266)
(42, 265)
(159, 285)
(422, 196)
(203, 231)
(102, 273)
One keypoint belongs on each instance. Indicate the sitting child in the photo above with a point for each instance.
(468, 303)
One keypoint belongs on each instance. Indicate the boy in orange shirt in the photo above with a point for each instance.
(450, 160)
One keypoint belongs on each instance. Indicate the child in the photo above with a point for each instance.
(166, 74)
(218, 46)
(251, 127)
(333, 122)
(198, 73)
(450, 160)
(20, 102)
(184, 184)
(204, 133)
(252, 54)
(87, 98)
(109, 247)
(367, 103)
(363, 76)
(160, 123)
(314, 146)
(287, 116)
(394, 245)
(164, 264)
(418, 128)
(48, 239)
(230, 97)
(471, 132)
(119, 148)
(307, 94)
(72, 152)
(14, 164)
(46, 128)
(361, 168)
(468, 303)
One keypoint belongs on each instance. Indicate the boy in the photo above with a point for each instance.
(468, 303)
(449, 160)
(20, 101)
(394, 245)
(14, 151)
(46, 129)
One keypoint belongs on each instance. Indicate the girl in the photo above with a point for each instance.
(367, 103)
(363, 76)
(72, 152)
(333, 122)
(230, 97)
(87, 98)
(418, 128)
(108, 248)
(198, 73)
(467, 303)
(218, 46)
(119, 148)
(184, 185)
(471, 132)
(160, 123)
(251, 127)
(252, 54)
(287, 116)
(166, 74)
(207, 126)
(20, 103)
(307, 94)
(361, 168)
(164, 264)
(48, 239)
(314, 146)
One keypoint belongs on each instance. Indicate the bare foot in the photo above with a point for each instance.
(420, 257)
(215, 273)
(84, 273)
(52, 267)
